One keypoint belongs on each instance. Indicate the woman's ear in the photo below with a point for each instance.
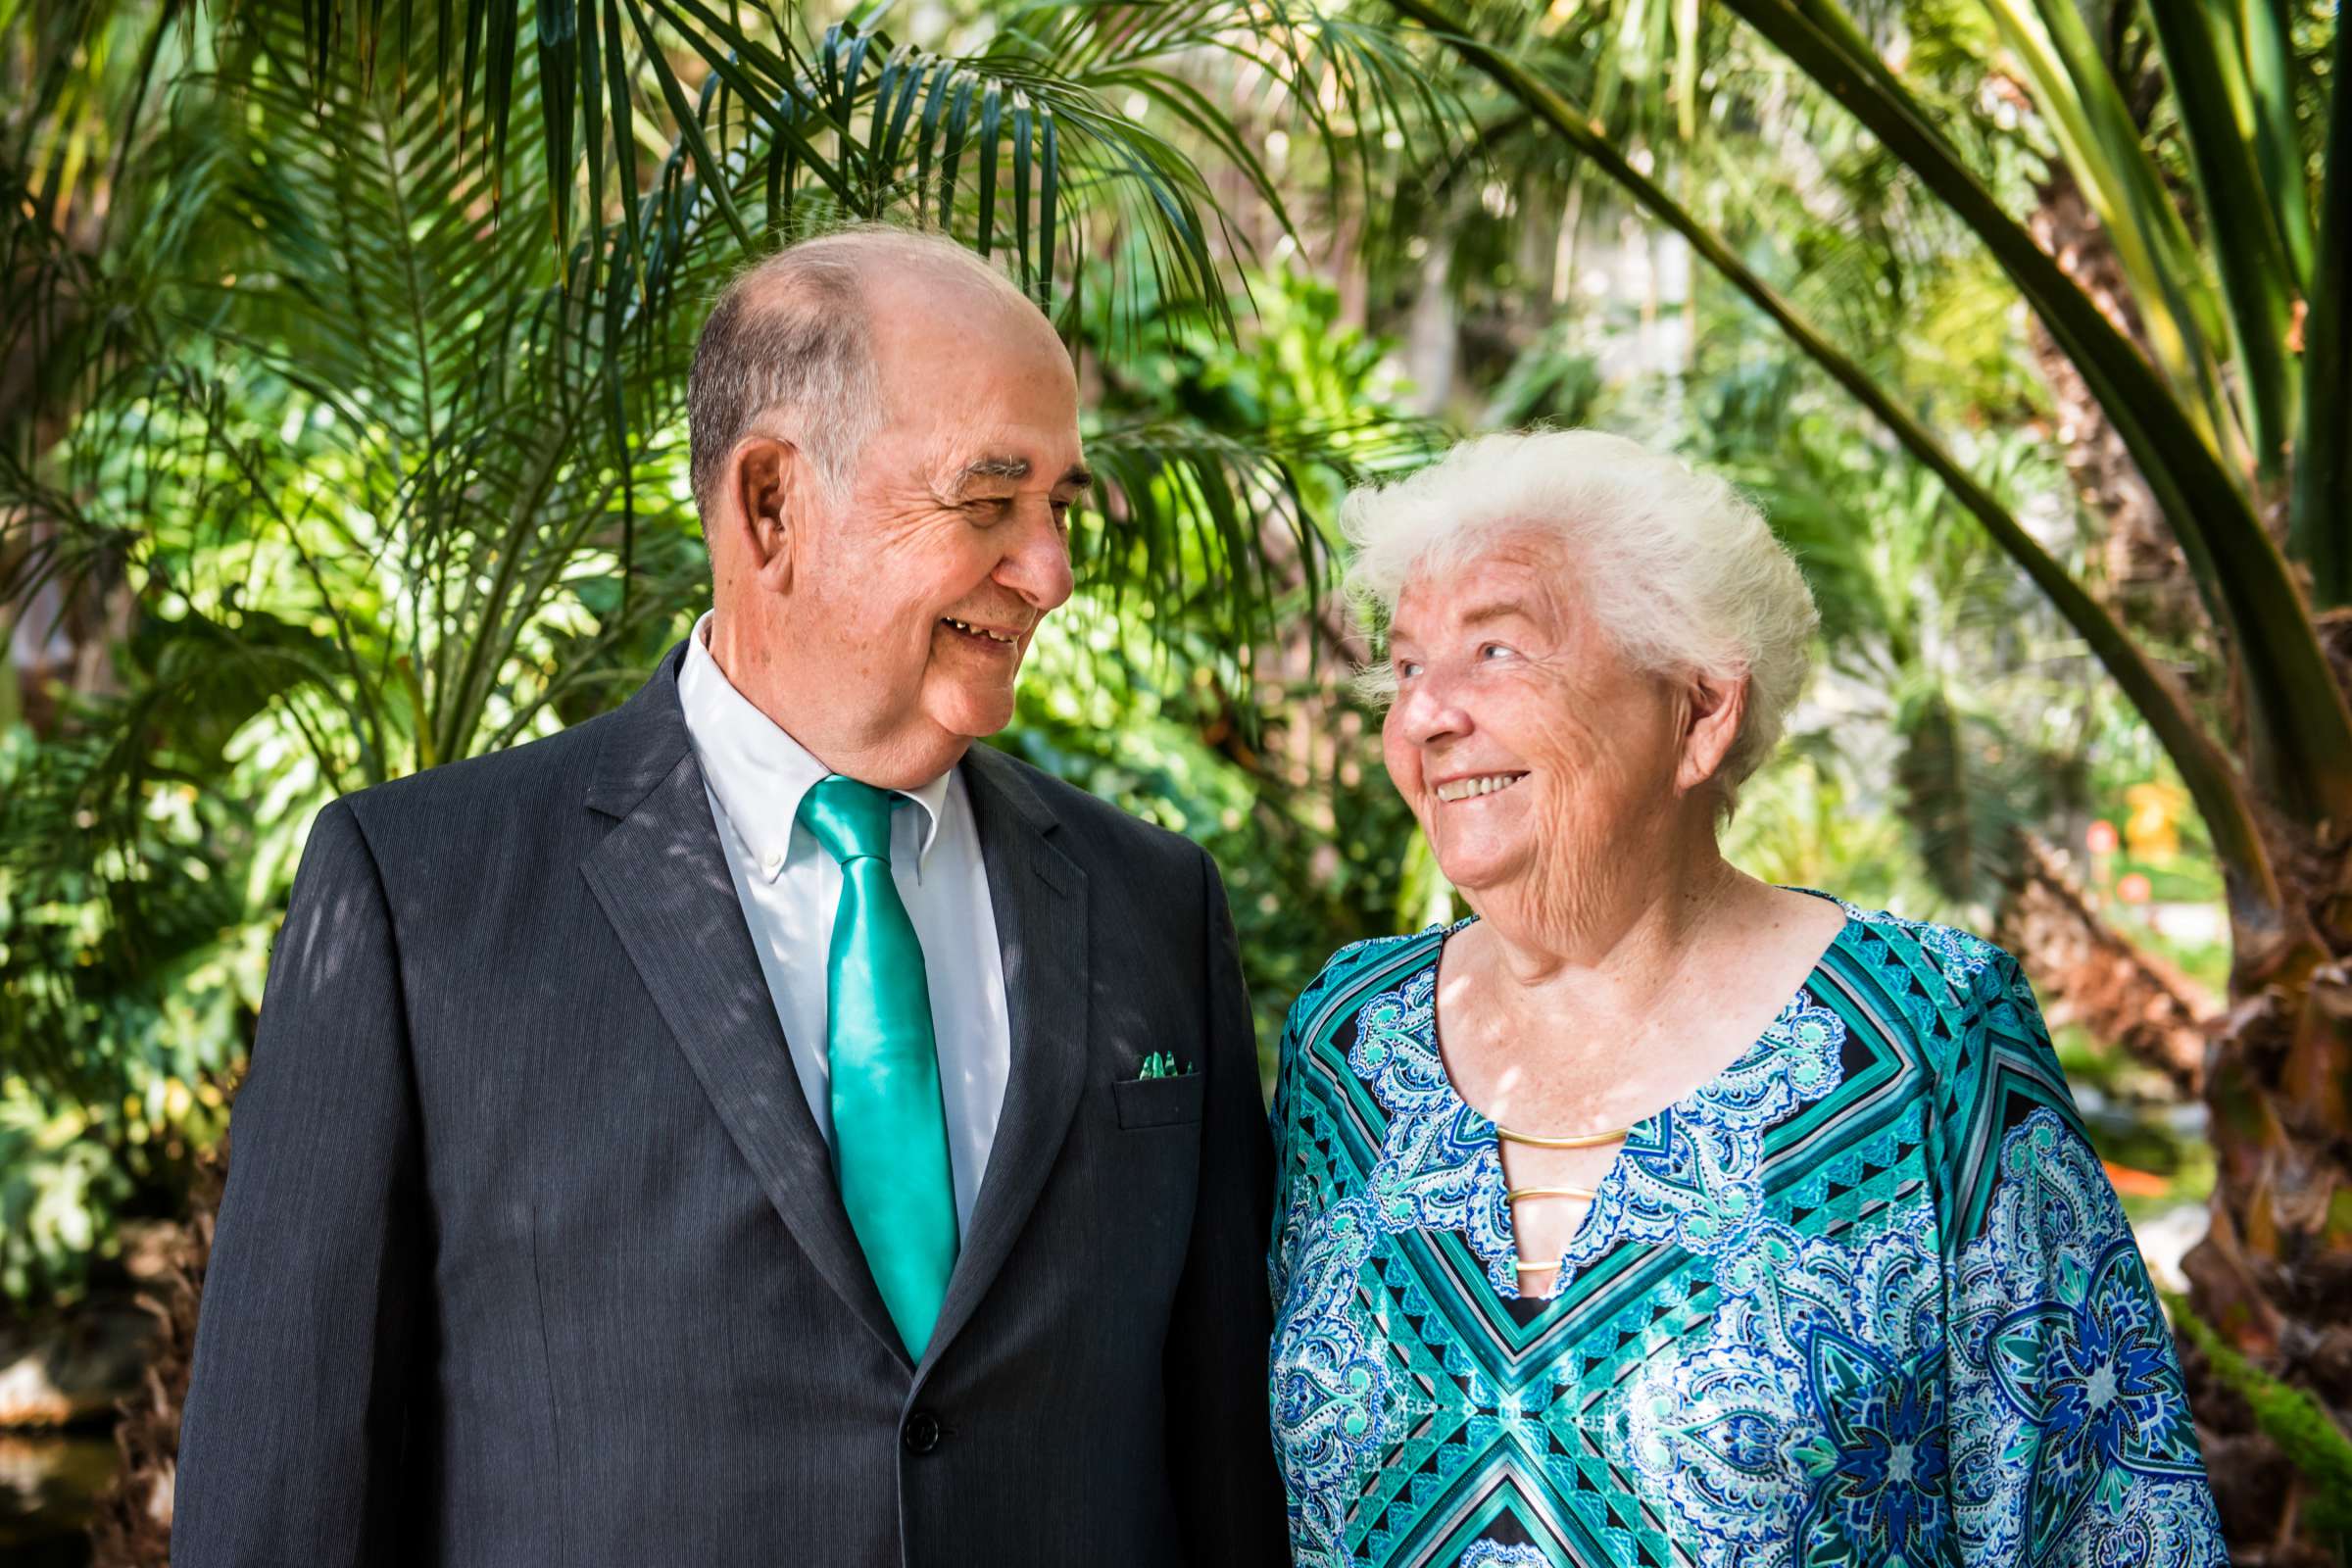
(1713, 707)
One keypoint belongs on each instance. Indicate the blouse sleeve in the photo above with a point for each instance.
(2071, 1435)
(1288, 1175)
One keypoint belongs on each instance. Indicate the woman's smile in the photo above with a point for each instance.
(1475, 787)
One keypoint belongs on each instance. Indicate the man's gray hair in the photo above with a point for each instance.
(789, 337)
(1677, 567)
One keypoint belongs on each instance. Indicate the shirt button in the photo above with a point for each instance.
(922, 1432)
(769, 864)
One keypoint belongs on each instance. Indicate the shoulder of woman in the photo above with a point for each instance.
(1948, 980)
(1977, 1036)
(1966, 964)
(1357, 965)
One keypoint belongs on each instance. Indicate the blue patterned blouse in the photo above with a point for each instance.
(1865, 1299)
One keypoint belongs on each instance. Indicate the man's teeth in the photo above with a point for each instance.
(1462, 789)
(978, 631)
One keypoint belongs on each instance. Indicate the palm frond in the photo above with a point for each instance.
(2320, 519)
(2209, 772)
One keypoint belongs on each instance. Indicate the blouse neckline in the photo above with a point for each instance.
(1795, 1060)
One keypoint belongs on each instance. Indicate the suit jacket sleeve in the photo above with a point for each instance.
(290, 1440)
(1221, 1456)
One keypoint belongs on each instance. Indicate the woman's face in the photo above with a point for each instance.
(1528, 747)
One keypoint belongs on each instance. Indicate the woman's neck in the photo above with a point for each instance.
(1621, 935)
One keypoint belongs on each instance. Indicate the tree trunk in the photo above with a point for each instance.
(2274, 1275)
(2095, 976)
(131, 1526)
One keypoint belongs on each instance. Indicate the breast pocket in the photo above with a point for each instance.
(1172, 1101)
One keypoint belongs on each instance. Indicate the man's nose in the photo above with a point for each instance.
(1037, 565)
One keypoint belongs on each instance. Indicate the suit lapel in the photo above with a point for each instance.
(661, 876)
(1039, 898)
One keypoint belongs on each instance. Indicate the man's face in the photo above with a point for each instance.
(923, 585)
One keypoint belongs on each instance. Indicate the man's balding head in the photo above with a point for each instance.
(886, 450)
(799, 337)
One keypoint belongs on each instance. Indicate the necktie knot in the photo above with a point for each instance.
(850, 820)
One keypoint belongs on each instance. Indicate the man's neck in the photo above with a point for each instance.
(905, 758)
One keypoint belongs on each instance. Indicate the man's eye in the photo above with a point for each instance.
(1492, 650)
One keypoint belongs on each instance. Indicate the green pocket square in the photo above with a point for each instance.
(1164, 1064)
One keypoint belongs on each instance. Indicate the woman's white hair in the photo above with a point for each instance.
(1677, 567)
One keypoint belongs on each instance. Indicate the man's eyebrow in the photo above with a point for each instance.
(992, 467)
(997, 465)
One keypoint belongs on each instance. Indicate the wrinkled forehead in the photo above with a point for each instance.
(1523, 573)
(994, 404)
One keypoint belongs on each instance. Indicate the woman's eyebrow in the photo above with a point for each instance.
(1496, 610)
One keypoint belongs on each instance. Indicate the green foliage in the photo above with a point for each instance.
(125, 985)
(1308, 866)
(1241, 746)
(2295, 1421)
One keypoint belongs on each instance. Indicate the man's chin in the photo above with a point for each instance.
(974, 715)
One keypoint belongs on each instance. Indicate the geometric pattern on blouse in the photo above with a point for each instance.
(1867, 1297)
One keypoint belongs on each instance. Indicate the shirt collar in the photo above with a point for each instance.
(757, 771)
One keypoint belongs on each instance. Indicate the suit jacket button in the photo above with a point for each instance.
(922, 1432)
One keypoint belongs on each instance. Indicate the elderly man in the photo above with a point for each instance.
(759, 1125)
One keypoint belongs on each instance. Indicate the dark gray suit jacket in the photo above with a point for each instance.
(531, 1252)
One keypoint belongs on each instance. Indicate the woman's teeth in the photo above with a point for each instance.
(1462, 789)
(970, 631)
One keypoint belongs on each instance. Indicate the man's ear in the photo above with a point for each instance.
(1712, 708)
(766, 475)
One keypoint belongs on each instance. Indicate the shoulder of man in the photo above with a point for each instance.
(483, 806)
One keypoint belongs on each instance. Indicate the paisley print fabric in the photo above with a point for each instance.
(1865, 1299)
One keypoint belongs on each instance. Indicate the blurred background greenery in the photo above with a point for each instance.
(342, 435)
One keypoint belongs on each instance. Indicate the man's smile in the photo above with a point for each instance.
(981, 633)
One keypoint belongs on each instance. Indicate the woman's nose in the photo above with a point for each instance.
(1428, 710)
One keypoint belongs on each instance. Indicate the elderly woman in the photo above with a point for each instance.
(1653, 1214)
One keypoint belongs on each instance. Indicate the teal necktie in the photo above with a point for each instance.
(890, 1128)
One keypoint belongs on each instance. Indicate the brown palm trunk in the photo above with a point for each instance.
(131, 1524)
(2274, 1275)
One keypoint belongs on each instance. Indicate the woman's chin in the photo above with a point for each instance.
(1479, 868)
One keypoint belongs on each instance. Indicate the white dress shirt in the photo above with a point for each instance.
(756, 775)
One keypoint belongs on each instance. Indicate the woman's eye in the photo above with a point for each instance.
(1407, 670)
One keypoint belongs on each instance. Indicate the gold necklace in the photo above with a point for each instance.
(1585, 1195)
(1584, 1141)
